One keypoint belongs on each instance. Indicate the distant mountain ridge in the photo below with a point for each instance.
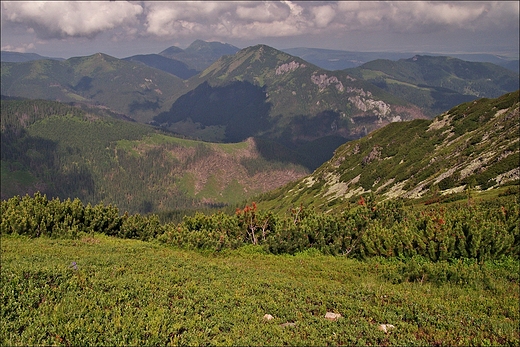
(200, 54)
(172, 66)
(16, 57)
(437, 83)
(333, 59)
(131, 88)
(474, 146)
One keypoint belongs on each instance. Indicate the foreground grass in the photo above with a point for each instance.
(107, 291)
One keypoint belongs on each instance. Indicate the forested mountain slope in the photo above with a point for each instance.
(67, 152)
(474, 145)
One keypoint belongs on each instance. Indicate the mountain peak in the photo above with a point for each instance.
(199, 46)
(171, 50)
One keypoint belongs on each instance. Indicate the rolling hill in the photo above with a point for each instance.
(16, 57)
(437, 83)
(472, 146)
(68, 152)
(171, 66)
(133, 89)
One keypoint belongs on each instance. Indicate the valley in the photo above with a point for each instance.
(290, 114)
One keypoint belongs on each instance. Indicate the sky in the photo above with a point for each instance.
(124, 28)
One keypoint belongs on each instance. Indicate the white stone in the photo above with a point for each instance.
(268, 317)
(332, 316)
(385, 327)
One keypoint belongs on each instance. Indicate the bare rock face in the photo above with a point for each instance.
(375, 154)
(332, 316)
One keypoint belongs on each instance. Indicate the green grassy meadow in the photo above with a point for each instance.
(100, 290)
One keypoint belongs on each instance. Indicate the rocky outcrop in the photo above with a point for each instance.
(323, 81)
(288, 67)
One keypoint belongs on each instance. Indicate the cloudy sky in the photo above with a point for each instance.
(124, 28)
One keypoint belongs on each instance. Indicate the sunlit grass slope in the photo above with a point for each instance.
(99, 290)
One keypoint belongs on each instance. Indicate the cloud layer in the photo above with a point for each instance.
(251, 20)
(71, 19)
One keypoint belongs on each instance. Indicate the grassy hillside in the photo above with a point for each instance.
(473, 146)
(99, 290)
(64, 151)
(172, 66)
(133, 89)
(437, 84)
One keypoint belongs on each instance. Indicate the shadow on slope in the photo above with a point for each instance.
(24, 153)
(239, 107)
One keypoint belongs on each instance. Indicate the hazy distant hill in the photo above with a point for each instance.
(15, 57)
(331, 59)
(133, 89)
(438, 83)
(69, 152)
(200, 54)
(513, 65)
(474, 145)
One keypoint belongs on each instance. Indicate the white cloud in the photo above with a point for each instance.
(222, 19)
(230, 19)
(70, 19)
(425, 16)
(262, 12)
(23, 48)
(323, 15)
(172, 18)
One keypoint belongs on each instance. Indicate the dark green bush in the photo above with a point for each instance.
(482, 230)
(38, 216)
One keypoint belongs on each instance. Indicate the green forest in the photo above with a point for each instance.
(66, 151)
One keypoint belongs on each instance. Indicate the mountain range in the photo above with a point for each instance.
(133, 89)
(333, 59)
(264, 92)
(145, 93)
(200, 54)
(435, 83)
(286, 113)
